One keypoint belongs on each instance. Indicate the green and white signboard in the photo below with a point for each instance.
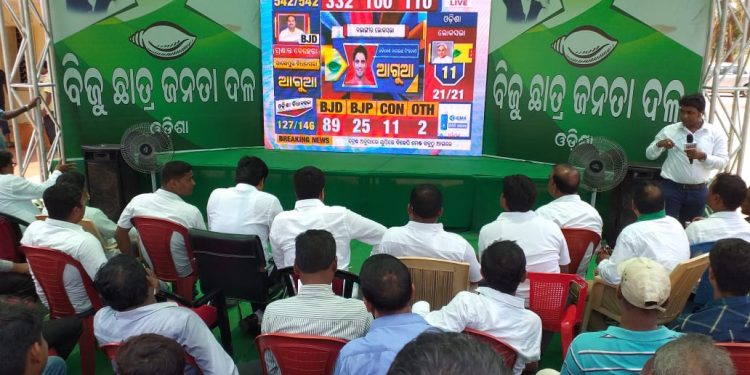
(562, 71)
(559, 71)
(190, 68)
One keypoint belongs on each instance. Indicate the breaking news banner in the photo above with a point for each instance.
(381, 76)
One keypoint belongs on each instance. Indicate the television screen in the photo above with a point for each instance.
(383, 76)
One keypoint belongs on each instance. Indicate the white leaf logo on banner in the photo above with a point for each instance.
(163, 40)
(585, 46)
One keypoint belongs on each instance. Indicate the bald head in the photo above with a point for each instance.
(564, 180)
(648, 198)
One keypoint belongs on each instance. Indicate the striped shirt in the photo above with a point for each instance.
(725, 320)
(315, 310)
(616, 350)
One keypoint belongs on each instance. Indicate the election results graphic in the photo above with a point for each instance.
(381, 76)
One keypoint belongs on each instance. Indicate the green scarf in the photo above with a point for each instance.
(653, 215)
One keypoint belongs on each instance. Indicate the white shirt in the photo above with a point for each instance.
(16, 194)
(290, 36)
(542, 242)
(243, 209)
(71, 239)
(496, 313)
(171, 321)
(429, 241)
(100, 220)
(569, 211)
(166, 205)
(662, 240)
(343, 224)
(720, 225)
(710, 139)
(442, 60)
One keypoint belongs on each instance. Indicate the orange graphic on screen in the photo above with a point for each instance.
(360, 71)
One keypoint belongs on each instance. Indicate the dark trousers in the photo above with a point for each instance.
(62, 334)
(684, 203)
(49, 128)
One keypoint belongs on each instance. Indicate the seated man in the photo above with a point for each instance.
(725, 318)
(725, 194)
(16, 193)
(568, 210)
(643, 290)
(310, 213)
(65, 205)
(654, 235)
(315, 310)
(166, 203)
(127, 291)
(245, 208)
(150, 354)
(423, 236)
(495, 309)
(102, 223)
(447, 354)
(541, 240)
(23, 350)
(387, 289)
(690, 354)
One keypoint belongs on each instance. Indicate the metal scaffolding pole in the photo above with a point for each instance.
(26, 17)
(728, 53)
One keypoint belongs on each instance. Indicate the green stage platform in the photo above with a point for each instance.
(377, 186)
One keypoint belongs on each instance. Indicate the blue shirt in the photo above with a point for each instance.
(374, 353)
(616, 350)
(725, 320)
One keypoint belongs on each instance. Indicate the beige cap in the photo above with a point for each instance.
(644, 283)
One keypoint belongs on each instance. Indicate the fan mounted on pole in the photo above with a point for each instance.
(601, 163)
(146, 150)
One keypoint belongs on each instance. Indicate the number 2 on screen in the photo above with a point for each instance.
(422, 127)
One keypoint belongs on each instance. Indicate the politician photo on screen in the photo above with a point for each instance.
(291, 33)
(442, 52)
(361, 69)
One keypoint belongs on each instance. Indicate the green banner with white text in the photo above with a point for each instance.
(563, 71)
(190, 68)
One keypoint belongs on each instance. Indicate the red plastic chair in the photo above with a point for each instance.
(579, 240)
(10, 239)
(111, 351)
(47, 266)
(548, 299)
(740, 354)
(506, 351)
(300, 354)
(156, 235)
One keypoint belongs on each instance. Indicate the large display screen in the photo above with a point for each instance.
(386, 76)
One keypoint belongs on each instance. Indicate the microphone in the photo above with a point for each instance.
(690, 145)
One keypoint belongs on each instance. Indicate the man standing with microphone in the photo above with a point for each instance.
(694, 149)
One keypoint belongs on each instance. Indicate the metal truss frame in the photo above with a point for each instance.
(29, 17)
(729, 44)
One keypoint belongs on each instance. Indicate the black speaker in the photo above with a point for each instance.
(621, 213)
(111, 182)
